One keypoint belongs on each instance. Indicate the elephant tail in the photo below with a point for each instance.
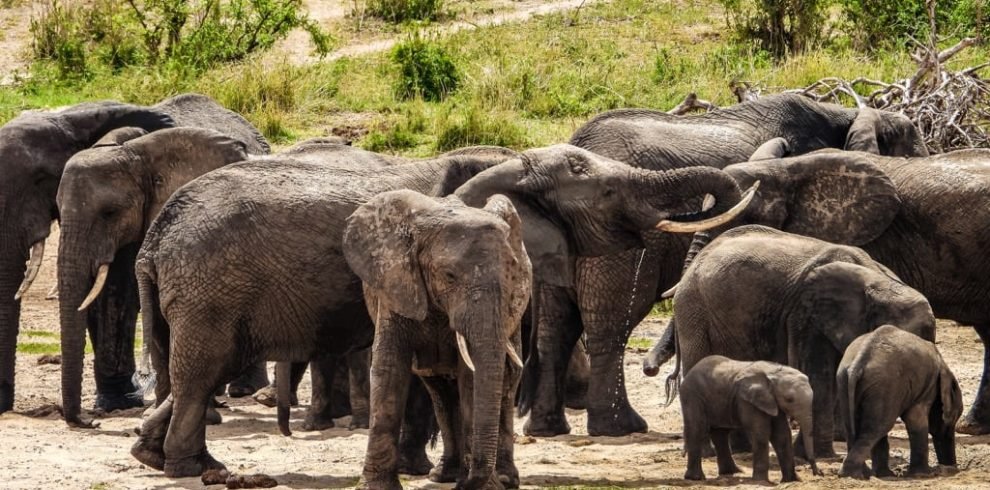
(282, 379)
(853, 378)
(145, 377)
(673, 384)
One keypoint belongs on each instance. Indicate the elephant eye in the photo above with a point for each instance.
(609, 192)
(109, 213)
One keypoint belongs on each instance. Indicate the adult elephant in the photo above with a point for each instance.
(607, 296)
(34, 148)
(927, 219)
(756, 293)
(291, 302)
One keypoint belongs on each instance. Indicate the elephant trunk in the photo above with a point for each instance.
(74, 280)
(679, 194)
(11, 274)
(808, 433)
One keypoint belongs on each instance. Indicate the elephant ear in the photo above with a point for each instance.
(775, 148)
(832, 300)
(839, 197)
(379, 245)
(951, 396)
(502, 207)
(87, 123)
(862, 135)
(120, 136)
(757, 391)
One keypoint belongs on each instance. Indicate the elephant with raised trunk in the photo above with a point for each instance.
(34, 148)
(236, 233)
(756, 293)
(447, 286)
(597, 298)
(927, 219)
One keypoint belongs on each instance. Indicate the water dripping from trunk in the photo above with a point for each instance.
(629, 311)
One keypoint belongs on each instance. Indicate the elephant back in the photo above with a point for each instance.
(203, 112)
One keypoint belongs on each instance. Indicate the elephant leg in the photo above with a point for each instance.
(443, 392)
(340, 390)
(859, 449)
(759, 439)
(505, 465)
(977, 420)
(780, 437)
(185, 442)
(726, 465)
(881, 458)
(418, 428)
(558, 328)
(358, 371)
(615, 292)
(822, 380)
(916, 423)
(150, 446)
(390, 377)
(696, 437)
(578, 374)
(254, 378)
(112, 335)
(320, 413)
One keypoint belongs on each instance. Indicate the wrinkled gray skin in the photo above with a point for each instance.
(756, 293)
(719, 395)
(596, 296)
(887, 374)
(311, 301)
(34, 148)
(435, 269)
(926, 219)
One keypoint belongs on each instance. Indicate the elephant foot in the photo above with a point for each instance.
(213, 417)
(508, 476)
(248, 383)
(883, 472)
(379, 483)
(6, 397)
(316, 422)
(149, 454)
(823, 449)
(919, 471)
(973, 424)
(108, 402)
(193, 466)
(448, 471)
(359, 421)
(268, 397)
(546, 426)
(859, 471)
(729, 471)
(694, 475)
(614, 424)
(414, 462)
(80, 421)
(476, 482)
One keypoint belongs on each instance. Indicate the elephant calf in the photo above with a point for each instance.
(886, 374)
(447, 286)
(719, 395)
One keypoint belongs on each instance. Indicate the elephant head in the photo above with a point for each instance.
(33, 150)
(944, 414)
(602, 205)
(769, 388)
(107, 198)
(885, 133)
(418, 255)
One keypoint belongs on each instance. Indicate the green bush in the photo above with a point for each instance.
(875, 24)
(58, 35)
(779, 26)
(403, 10)
(426, 69)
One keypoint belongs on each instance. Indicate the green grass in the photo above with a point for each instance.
(522, 85)
(640, 343)
(43, 342)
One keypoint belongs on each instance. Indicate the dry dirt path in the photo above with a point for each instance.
(15, 38)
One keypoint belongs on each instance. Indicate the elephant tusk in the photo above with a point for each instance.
(101, 280)
(34, 265)
(707, 224)
(463, 349)
(670, 292)
(513, 355)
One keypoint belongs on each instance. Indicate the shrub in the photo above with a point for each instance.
(58, 36)
(426, 69)
(892, 23)
(779, 26)
(403, 10)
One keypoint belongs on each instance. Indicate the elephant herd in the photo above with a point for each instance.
(790, 234)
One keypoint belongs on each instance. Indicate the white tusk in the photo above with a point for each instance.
(462, 348)
(101, 280)
(53, 292)
(707, 224)
(670, 292)
(513, 355)
(34, 265)
(708, 203)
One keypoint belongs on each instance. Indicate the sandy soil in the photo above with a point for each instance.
(42, 452)
(14, 38)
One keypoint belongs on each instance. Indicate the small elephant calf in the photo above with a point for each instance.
(719, 395)
(890, 373)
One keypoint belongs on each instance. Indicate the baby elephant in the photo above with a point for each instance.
(890, 373)
(719, 395)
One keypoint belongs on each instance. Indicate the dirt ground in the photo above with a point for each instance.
(42, 452)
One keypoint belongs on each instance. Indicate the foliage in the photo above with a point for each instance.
(404, 10)
(189, 35)
(474, 126)
(779, 26)
(426, 69)
(876, 24)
